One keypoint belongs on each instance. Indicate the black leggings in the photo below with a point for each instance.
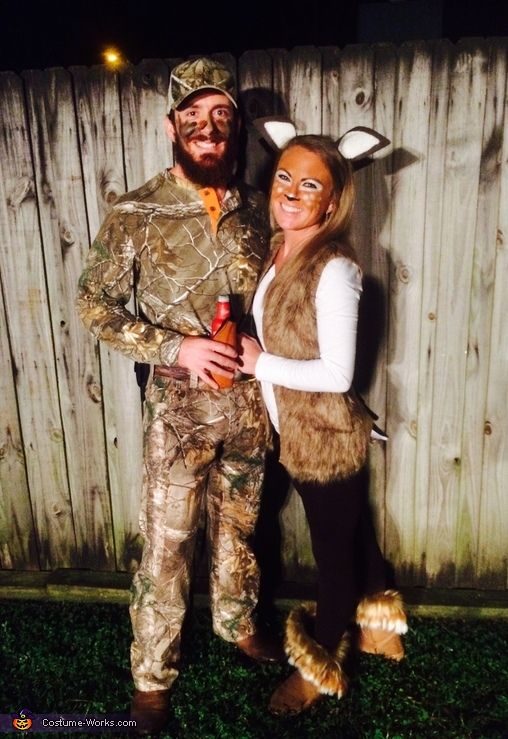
(343, 542)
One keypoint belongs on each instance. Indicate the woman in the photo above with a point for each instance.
(306, 310)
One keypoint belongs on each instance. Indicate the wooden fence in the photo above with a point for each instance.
(432, 225)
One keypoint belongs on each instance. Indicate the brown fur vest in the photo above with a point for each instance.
(323, 436)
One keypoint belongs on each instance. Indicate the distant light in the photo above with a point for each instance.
(113, 58)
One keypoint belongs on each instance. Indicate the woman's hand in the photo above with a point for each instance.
(204, 356)
(249, 353)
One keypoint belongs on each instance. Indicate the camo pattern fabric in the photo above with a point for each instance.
(199, 74)
(183, 428)
(161, 237)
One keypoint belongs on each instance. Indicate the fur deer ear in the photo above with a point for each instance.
(276, 130)
(360, 142)
(356, 144)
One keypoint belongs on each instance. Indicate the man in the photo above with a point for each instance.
(187, 236)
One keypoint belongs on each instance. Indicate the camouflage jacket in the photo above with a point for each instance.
(159, 240)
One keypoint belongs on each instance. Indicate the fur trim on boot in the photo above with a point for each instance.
(382, 611)
(315, 664)
(382, 619)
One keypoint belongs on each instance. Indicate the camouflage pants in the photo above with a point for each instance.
(201, 448)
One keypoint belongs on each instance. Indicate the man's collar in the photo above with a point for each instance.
(231, 201)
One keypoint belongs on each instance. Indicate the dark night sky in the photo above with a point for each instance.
(38, 34)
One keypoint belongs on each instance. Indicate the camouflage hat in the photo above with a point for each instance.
(199, 74)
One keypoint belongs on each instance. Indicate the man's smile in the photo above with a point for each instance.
(206, 145)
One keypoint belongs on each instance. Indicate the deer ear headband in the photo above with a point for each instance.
(356, 144)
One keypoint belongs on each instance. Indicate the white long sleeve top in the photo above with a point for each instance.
(337, 297)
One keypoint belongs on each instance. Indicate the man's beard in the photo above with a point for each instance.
(210, 170)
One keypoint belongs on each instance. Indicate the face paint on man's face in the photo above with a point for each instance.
(206, 140)
(219, 130)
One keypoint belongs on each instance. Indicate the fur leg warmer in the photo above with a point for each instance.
(323, 669)
(382, 619)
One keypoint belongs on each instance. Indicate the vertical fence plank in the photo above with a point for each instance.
(101, 145)
(357, 96)
(18, 544)
(357, 105)
(356, 83)
(407, 236)
(31, 339)
(434, 214)
(281, 81)
(489, 75)
(460, 197)
(147, 149)
(65, 243)
(304, 98)
(257, 100)
(373, 324)
(492, 561)
(330, 91)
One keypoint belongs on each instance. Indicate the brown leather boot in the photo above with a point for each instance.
(150, 710)
(293, 696)
(262, 648)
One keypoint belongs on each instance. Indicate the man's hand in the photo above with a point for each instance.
(203, 356)
(249, 354)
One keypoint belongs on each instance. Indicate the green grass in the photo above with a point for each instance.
(73, 658)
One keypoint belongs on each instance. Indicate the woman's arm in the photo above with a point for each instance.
(337, 299)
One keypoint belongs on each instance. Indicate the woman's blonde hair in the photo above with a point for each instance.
(337, 226)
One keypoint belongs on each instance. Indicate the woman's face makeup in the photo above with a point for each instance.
(302, 190)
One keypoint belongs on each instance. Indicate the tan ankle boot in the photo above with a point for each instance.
(318, 672)
(382, 619)
(377, 641)
(293, 696)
